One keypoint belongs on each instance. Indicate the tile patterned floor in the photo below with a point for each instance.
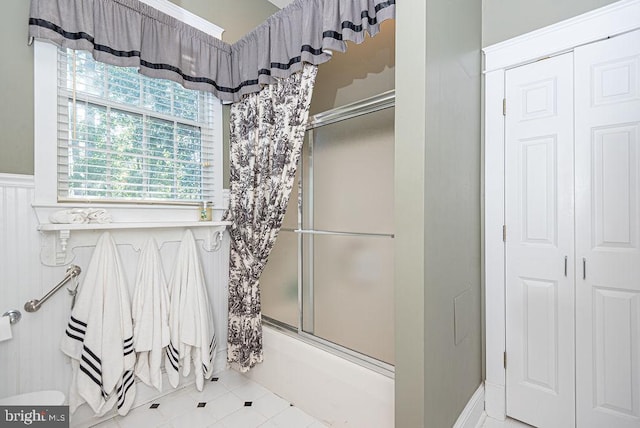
(229, 401)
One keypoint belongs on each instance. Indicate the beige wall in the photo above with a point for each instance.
(504, 19)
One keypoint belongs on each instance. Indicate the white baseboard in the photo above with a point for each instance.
(483, 418)
(495, 401)
(474, 410)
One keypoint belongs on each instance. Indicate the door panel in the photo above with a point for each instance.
(352, 177)
(539, 245)
(352, 278)
(540, 307)
(607, 232)
(614, 314)
(614, 206)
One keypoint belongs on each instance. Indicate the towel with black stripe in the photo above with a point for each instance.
(190, 318)
(99, 336)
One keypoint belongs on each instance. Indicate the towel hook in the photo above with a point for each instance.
(14, 315)
(214, 240)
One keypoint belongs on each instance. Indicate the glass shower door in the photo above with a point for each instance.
(330, 274)
(279, 280)
(347, 234)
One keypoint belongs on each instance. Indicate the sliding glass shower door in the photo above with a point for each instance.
(330, 275)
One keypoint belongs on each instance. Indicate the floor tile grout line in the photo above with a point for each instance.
(191, 393)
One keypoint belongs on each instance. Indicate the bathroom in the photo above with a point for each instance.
(437, 218)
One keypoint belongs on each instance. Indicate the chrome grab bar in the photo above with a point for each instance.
(34, 305)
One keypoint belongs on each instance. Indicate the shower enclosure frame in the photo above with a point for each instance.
(362, 107)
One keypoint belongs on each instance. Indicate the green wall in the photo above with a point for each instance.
(16, 72)
(16, 89)
(362, 71)
(237, 17)
(437, 210)
(504, 19)
(410, 207)
(437, 178)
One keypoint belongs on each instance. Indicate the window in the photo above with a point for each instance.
(128, 144)
(127, 137)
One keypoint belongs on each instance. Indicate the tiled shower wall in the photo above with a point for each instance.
(32, 360)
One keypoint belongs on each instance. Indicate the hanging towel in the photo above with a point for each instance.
(97, 215)
(70, 216)
(190, 321)
(99, 336)
(150, 316)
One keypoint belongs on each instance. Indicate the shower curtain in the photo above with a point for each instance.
(269, 74)
(267, 131)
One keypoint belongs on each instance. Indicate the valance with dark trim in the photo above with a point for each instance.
(131, 33)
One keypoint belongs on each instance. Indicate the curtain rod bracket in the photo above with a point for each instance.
(30, 40)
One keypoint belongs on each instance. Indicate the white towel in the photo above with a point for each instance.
(150, 316)
(80, 215)
(97, 215)
(99, 336)
(70, 216)
(190, 320)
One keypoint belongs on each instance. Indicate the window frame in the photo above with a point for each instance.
(46, 142)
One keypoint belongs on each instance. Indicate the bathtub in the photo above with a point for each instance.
(330, 388)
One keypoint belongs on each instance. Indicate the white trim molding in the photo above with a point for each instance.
(608, 21)
(474, 410)
(16, 180)
(185, 16)
(493, 231)
(495, 400)
(46, 134)
(614, 19)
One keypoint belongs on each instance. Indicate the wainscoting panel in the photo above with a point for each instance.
(32, 360)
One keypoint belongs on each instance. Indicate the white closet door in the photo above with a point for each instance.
(539, 218)
(608, 232)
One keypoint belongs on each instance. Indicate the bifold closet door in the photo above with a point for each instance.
(539, 245)
(608, 232)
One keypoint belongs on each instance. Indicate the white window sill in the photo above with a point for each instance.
(55, 227)
(59, 240)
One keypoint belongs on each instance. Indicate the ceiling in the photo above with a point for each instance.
(281, 3)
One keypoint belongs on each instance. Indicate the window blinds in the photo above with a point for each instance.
(130, 138)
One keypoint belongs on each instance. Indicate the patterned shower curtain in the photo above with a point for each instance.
(267, 131)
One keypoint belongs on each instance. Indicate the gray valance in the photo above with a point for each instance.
(131, 33)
